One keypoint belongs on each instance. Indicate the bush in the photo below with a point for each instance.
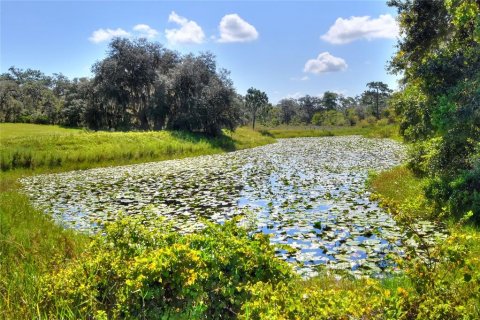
(134, 271)
(383, 122)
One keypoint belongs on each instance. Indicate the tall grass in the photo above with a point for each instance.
(77, 149)
(30, 245)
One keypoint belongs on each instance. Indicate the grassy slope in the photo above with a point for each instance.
(26, 147)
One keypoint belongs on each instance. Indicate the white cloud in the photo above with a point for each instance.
(234, 29)
(189, 31)
(102, 35)
(145, 31)
(354, 28)
(325, 62)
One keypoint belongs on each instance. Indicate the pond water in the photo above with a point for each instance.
(307, 193)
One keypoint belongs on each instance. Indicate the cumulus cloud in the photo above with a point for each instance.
(189, 31)
(234, 29)
(145, 31)
(354, 28)
(325, 62)
(102, 35)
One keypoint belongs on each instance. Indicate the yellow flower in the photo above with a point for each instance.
(402, 292)
(387, 293)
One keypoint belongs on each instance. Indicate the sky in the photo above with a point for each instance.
(285, 48)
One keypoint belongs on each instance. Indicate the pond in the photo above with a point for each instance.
(307, 193)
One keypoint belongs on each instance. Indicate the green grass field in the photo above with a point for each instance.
(42, 147)
(373, 131)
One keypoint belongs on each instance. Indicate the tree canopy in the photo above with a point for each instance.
(255, 101)
(438, 57)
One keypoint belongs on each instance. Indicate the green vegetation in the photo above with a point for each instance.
(29, 131)
(139, 85)
(33, 147)
(439, 58)
(31, 244)
(371, 131)
(134, 271)
(444, 281)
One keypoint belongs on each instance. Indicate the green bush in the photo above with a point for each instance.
(135, 271)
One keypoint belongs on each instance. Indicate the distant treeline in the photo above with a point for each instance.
(141, 85)
(333, 109)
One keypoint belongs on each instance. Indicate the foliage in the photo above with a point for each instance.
(199, 98)
(330, 100)
(133, 271)
(377, 96)
(297, 300)
(329, 118)
(255, 102)
(288, 110)
(309, 105)
(444, 279)
(439, 57)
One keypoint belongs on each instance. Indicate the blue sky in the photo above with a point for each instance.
(285, 48)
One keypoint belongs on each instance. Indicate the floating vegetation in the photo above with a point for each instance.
(308, 194)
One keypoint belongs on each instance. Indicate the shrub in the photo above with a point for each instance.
(383, 122)
(135, 271)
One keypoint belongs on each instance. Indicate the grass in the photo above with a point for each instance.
(372, 131)
(455, 259)
(26, 146)
(30, 246)
(27, 130)
(398, 184)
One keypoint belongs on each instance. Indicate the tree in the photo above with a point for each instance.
(11, 106)
(200, 98)
(288, 110)
(255, 100)
(379, 93)
(439, 58)
(329, 118)
(309, 105)
(330, 100)
(126, 78)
